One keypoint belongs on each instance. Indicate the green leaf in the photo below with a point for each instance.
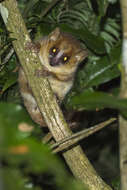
(17, 147)
(102, 7)
(15, 111)
(92, 100)
(12, 179)
(12, 79)
(116, 183)
(12, 116)
(29, 152)
(95, 43)
(100, 71)
(28, 7)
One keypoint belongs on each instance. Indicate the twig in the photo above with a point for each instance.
(6, 59)
(69, 141)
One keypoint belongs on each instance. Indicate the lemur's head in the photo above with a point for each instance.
(61, 53)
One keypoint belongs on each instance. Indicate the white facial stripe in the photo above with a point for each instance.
(59, 54)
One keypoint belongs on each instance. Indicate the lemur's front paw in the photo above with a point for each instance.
(42, 73)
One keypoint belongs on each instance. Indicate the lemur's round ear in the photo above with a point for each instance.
(82, 54)
(55, 34)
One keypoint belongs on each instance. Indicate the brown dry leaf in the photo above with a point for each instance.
(24, 127)
(21, 149)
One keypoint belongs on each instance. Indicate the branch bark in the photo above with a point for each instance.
(123, 94)
(76, 137)
(75, 158)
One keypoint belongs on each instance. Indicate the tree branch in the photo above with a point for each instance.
(75, 158)
(76, 137)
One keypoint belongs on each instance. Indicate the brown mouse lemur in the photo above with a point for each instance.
(60, 55)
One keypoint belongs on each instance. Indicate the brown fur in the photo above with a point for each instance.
(61, 77)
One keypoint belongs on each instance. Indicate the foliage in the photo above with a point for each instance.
(23, 154)
(97, 24)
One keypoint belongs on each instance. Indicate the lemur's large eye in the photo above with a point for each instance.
(53, 51)
(65, 58)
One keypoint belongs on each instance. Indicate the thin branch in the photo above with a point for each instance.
(69, 141)
(6, 59)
